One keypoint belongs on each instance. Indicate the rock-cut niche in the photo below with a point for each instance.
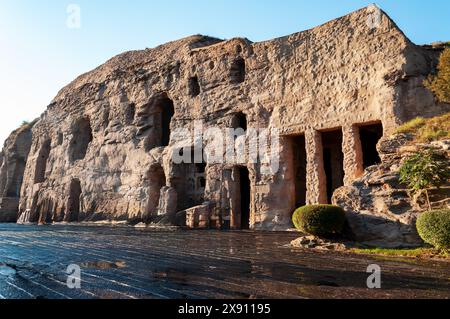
(41, 162)
(81, 138)
(155, 122)
(237, 71)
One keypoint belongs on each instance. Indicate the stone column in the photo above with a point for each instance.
(316, 179)
(353, 154)
(168, 201)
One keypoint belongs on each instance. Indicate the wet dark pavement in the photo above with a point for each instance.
(123, 262)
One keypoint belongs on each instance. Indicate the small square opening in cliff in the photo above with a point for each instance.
(237, 71)
(333, 161)
(370, 135)
(194, 86)
(239, 121)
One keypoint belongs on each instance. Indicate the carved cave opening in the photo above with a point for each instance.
(370, 135)
(245, 189)
(194, 87)
(300, 169)
(190, 180)
(237, 71)
(333, 161)
(155, 121)
(157, 180)
(41, 162)
(82, 137)
(74, 201)
(239, 121)
(166, 118)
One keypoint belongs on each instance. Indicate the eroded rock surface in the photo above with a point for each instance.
(13, 159)
(381, 210)
(103, 150)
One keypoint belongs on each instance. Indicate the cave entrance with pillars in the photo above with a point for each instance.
(157, 180)
(369, 136)
(333, 161)
(299, 157)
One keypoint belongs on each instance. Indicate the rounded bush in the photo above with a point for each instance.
(434, 228)
(320, 220)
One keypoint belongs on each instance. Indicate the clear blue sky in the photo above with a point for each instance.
(39, 54)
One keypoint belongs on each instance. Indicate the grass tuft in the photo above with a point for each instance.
(411, 253)
(427, 130)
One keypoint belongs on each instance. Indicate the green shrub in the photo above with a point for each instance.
(424, 170)
(439, 83)
(320, 220)
(434, 228)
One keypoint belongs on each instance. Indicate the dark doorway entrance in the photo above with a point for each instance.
(74, 201)
(190, 178)
(167, 112)
(157, 180)
(237, 71)
(370, 135)
(300, 164)
(333, 160)
(244, 180)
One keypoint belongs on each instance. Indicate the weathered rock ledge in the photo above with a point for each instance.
(382, 211)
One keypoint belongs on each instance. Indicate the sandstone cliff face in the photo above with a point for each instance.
(13, 158)
(102, 149)
(382, 211)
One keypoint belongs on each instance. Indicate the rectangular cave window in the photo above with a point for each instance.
(194, 87)
(370, 135)
(237, 71)
(300, 165)
(333, 161)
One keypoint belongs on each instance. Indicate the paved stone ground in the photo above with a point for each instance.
(124, 262)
